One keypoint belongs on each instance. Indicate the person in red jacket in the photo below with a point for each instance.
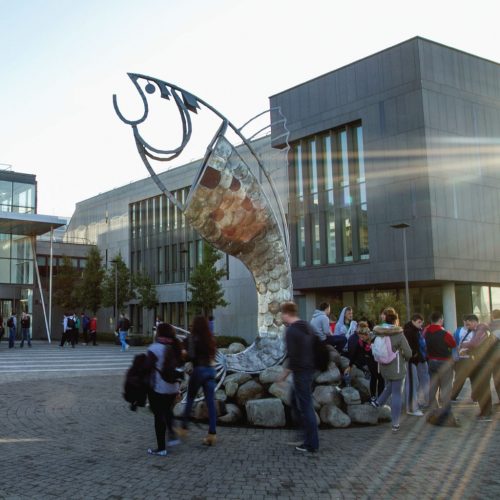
(439, 343)
(93, 330)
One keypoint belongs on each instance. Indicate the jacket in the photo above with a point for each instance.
(396, 369)
(413, 334)
(341, 328)
(320, 324)
(482, 344)
(439, 343)
(359, 352)
(299, 337)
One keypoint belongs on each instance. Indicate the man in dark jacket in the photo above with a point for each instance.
(417, 376)
(300, 340)
(439, 343)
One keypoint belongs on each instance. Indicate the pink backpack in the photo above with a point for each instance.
(382, 350)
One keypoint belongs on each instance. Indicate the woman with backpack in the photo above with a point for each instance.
(164, 354)
(391, 350)
(201, 351)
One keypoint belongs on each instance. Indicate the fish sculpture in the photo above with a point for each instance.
(229, 208)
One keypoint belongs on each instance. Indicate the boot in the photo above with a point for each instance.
(210, 439)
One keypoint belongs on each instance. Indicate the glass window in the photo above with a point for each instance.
(313, 166)
(330, 238)
(175, 270)
(199, 252)
(299, 178)
(363, 232)
(315, 237)
(167, 265)
(495, 297)
(5, 244)
(21, 271)
(23, 198)
(4, 270)
(5, 196)
(346, 235)
(328, 161)
(345, 182)
(161, 263)
(481, 302)
(301, 242)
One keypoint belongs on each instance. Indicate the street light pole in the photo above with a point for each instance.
(185, 252)
(115, 308)
(404, 227)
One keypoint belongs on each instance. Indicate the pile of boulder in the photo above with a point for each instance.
(261, 400)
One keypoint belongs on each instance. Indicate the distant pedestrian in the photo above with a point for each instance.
(72, 329)
(299, 337)
(417, 375)
(440, 343)
(76, 329)
(390, 338)
(12, 325)
(211, 324)
(25, 329)
(166, 349)
(93, 330)
(463, 362)
(201, 352)
(66, 332)
(85, 322)
(122, 328)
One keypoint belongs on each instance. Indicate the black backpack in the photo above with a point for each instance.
(125, 325)
(173, 366)
(321, 353)
(10, 322)
(70, 323)
(138, 381)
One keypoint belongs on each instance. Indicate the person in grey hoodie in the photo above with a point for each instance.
(395, 371)
(321, 325)
(345, 326)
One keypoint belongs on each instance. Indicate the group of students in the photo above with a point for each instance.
(11, 325)
(429, 365)
(72, 323)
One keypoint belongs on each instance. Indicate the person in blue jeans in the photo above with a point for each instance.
(25, 329)
(201, 351)
(12, 324)
(299, 337)
(123, 327)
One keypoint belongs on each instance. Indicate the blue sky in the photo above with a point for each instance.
(61, 61)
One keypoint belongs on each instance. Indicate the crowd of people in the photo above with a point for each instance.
(74, 324)
(11, 327)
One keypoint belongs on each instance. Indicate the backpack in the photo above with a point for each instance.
(70, 324)
(10, 322)
(138, 381)
(422, 346)
(124, 325)
(382, 350)
(320, 352)
(172, 370)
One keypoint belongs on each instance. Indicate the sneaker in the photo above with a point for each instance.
(484, 418)
(395, 428)
(173, 442)
(417, 413)
(305, 449)
(127, 347)
(158, 453)
(374, 403)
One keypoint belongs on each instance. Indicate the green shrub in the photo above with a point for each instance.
(227, 340)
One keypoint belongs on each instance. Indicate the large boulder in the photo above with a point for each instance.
(200, 411)
(330, 376)
(266, 412)
(220, 395)
(231, 388)
(235, 348)
(271, 374)
(334, 354)
(333, 416)
(351, 396)
(384, 413)
(363, 414)
(237, 378)
(344, 362)
(249, 390)
(362, 385)
(326, 394)
(233, 414)
(282, 390)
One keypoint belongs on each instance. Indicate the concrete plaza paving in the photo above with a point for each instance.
(69, 434)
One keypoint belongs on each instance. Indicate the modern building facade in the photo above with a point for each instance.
(408, 135)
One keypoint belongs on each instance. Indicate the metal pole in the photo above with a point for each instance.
(407, 287)
(116, 291)
(51, 255)
(32, 240)
(185, 289)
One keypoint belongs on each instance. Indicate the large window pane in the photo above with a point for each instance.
(330, 237)
(495, 297)
(345, 182)
(5, 196)
(299, 179)
(315, 239)
(481, 302)
(313, 167)
(4, 270)
(363, 232)
(23, 198)
(346, 235)
(5, 243)
(301, 242)
(328, 161)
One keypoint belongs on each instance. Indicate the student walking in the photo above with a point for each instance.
(25, 329)
(164, 351)
(391, 351)
(201, 351)
(299, 337)
(11, 325)
(122, 328)
(93, 330)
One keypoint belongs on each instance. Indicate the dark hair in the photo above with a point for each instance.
(323, 306)
(165, 330)
(391, 317)
(201, 332)
(417, 317)
(471, 317)
(495, 314)
(436, 316)
(289, 308)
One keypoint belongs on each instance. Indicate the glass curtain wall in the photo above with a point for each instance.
(328, 205)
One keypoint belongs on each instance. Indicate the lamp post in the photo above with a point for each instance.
(115, 308)
(185, 252)
(404, 227)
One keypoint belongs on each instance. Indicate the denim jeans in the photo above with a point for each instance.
(202, 376)
(302, 402)
(26, 336)
(441, 373)
(337, 341)
(123, 336)
(12, 336)
(423, 383)
(393, 388)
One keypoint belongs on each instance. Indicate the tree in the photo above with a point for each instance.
(117, 281)
(66, 284)
(145, 290)
(91, 287)
(204, 283)
(376, 300)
